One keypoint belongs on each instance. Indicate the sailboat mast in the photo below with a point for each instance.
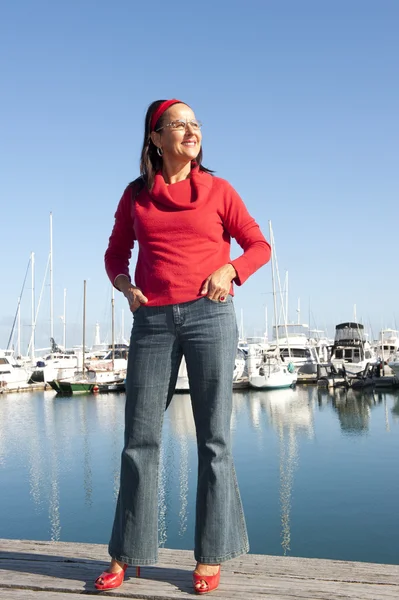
(32, 348)
(64, 322)
(242, 324)
(19, 328)
(51, 279)
(274, 285)
(84, 326)
(286, 297)
(113, 327)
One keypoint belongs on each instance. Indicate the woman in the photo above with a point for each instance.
(182, 218)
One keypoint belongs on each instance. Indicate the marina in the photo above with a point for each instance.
(295, 353)
(320, 502)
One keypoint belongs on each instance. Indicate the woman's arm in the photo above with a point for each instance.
(121, 241)
(245, 230)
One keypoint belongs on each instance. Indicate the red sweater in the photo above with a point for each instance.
(183, 232)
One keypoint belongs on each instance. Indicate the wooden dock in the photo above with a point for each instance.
(33, 570)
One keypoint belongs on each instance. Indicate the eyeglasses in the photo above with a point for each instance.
(181, 125)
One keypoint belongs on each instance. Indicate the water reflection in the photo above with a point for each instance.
(289, 413)
(179, 437)
(66, 452)
(53, 471)
(395, 409)
(352, 406)
(162, 506)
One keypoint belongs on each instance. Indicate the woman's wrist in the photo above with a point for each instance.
(234, 273)
(122, 282)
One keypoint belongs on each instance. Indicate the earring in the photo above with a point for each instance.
(159, 151)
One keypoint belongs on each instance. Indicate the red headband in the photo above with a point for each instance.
(161, 109)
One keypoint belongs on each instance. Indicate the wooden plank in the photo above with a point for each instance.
(60, 568)
(13, 594)
(250, 563)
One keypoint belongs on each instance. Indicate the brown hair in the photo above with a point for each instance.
(150, 161)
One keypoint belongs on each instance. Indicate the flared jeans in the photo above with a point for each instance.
(205, 332)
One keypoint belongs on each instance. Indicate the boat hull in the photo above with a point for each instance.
(72, 387)
(274, 381)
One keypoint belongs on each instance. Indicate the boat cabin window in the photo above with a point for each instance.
(4, 361)
(295, 353)
(348, 354)
(389, 349)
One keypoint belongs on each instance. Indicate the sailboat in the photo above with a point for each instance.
(113, 380)
(81, 384)
(272, 371)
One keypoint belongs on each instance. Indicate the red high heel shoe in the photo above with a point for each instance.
(212, 582)
(109, 581)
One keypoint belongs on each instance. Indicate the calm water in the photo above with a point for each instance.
(318, 472)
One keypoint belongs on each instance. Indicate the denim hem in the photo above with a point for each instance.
(133, 562)
(215, 560)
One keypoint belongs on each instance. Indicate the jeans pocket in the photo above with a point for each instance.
(228, 300)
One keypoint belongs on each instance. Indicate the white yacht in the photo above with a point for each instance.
(295, 347)
(240, 374)
(388, 344)
(272, 373)
(12, 375)
(321, 343)
(351, 349)
(55, 365)
(393, 363)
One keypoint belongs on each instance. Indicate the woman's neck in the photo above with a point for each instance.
(173, 173)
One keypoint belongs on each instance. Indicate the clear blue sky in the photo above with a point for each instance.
(300, 105)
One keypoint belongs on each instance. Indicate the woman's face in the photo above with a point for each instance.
(178, 138)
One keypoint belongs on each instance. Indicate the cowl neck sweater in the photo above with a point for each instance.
(188, 194)
(183, 232)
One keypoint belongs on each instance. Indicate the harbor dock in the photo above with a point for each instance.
(64, 571)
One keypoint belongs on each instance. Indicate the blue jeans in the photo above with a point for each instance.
(205, 332)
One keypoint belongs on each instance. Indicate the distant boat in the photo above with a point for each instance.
(80, 383)
(271, 371)
(351, 350)
(295, 347)
(393, 363)
(107, 374)
(92, 382)
(12, 376)
(240, 374)
(388, 344)
(56, 365)
(72, 387)
(116, 386)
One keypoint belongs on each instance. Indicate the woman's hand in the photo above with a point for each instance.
(217, 285)
(133, 294)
